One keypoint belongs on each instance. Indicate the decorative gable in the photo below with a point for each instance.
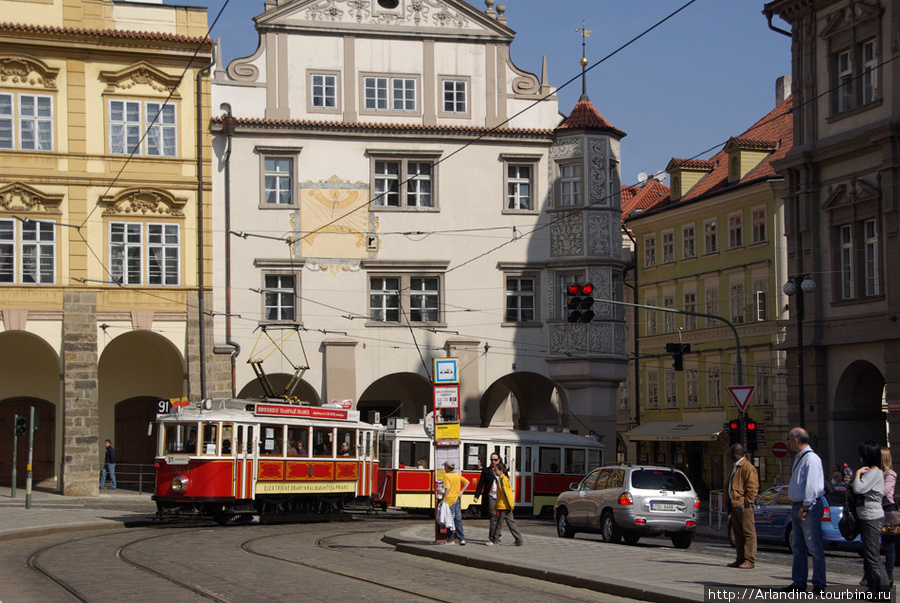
(21, 198)
(27, 70)
(144, 202)
(140, 75)
(849, 17)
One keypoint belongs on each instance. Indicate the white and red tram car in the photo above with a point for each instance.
(541, 464)
(232, 459)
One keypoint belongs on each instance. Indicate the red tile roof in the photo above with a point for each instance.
(641, 196)
(109, 33)
(586, 117)
(256, 122)
(697, 164)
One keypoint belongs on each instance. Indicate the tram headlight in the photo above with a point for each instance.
(179, 484)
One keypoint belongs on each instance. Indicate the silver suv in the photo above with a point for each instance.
(629, 501)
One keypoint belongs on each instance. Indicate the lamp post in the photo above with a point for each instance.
(798, 285)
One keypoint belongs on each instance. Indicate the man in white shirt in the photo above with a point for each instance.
(806, 487)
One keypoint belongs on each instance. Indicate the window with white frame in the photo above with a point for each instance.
(688, 246)
(518, 187)
(280, 297)
(649, 251)
(870, 269)
(846, 261)
(455, 99)
(738, 304)
(144, 253)
(869, 72)
(713, 388)
(396, 298)
(652, 390)
(853, 62)
(692, 388)
(690, 305)
(735, 231)
(763, 390)
(323, 91)
(671, 389)
(844, 81)
(27, 252)
(652, 326)
(278, 180)
(712, 306)
(156, 122)
(760, 300)
(668, 247)
(520, 299)
(758, 225)
(710, 242)
(390, 94)
(26, 122)
(669, 317)
(403, 183)
(569, 184)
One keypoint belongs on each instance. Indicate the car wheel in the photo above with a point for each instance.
(682, 540)
(608, 528)
(563, 527)
(631, 537)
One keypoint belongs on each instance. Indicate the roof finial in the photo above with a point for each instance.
(585, 34)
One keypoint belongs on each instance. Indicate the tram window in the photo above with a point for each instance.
(346, 442)
(595, 459)
(385, 452)
(411, 452)
(322, 442)
(298, 441)
(575, 461)
(271, 441)
(528, 464)
(227, 438)
(240, 439)
(210, 441)
(548, 460)
(180, 438)
(473, 454)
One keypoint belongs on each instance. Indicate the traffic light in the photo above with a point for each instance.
(678, 350)
(751, 434)
(580, 302)
(734, 432)
(21, 425)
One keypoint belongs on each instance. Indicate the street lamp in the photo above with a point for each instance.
(799, 285)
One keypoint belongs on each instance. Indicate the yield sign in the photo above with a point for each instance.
(741, 395)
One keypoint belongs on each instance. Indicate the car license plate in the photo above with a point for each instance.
(663, 507)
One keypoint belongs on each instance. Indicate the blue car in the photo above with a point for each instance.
(772, 513)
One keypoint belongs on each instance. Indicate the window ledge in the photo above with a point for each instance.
(836, 117)
(424, 210)
(528, 324)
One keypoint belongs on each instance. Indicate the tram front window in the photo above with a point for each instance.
(210, 440)
(180, 438)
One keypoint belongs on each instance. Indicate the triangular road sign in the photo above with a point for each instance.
(741, 395)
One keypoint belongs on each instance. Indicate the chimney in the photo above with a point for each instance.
(782, 89)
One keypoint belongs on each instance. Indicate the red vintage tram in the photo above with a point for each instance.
(233, 459)
(541, 464)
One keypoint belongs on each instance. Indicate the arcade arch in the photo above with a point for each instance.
(279, 381)
(397, 395)
(857, 410)
(522, 400)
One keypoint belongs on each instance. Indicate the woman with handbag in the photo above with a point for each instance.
(868, 486)
(890, 533)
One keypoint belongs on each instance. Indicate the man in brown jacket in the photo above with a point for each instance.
(743, 486)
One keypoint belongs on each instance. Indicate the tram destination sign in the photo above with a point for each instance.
(305, 412)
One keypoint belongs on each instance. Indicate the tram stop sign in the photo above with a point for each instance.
(779, 450)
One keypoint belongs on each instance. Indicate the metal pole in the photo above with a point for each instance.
(15, 453)
(30, 457)
(801, 393)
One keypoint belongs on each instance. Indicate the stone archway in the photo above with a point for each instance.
(856, 413)
(279, 381)
(43, 458)
(523, 400)
(398, 395)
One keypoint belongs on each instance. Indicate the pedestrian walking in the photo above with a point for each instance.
(487, 488)
(503, 510)
(805, 491)
(890, 533)
(454, 487)
(743, 486)
(109, 466)
(868, 487)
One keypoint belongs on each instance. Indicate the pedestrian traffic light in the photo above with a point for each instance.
(21, 425)
(678, 350)
(751, 434)
(580, 302)
(734, 432)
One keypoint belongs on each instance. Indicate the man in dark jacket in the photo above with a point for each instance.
(109, 465)
(743, 486)
(485, 488)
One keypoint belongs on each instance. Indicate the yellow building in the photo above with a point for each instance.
(104, 204)
(712, 247)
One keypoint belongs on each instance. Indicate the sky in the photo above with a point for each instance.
(681, 90)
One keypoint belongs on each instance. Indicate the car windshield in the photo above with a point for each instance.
(660, 479)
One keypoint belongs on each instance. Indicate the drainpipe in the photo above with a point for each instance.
(783, 32)
(228, 126)
(637, 356)
(201, 296)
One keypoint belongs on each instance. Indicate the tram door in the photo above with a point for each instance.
(244, 473)
(524, 474)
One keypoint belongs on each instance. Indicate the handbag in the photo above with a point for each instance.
(849, 524)
(891, 517)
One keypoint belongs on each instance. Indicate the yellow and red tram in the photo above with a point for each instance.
(542, 463)
(233, 459)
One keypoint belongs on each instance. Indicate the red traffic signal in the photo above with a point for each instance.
(574, 289)
(580, 302)
(751, 425)
(734, 426)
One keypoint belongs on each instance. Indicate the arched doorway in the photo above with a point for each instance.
(398, 395)
(135, 443)
(43, 466)
(522, 400)
(279, 381)
(857, 414)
